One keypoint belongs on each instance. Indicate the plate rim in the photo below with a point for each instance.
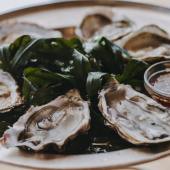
(96, 167)
(68, 3)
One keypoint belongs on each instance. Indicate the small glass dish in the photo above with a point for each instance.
(157, 82)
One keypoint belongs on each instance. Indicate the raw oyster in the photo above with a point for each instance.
(103, 22)
(52, 124)
(9, 95)
(150, 44)
(136, 117)
(99, 18)
(9, 31)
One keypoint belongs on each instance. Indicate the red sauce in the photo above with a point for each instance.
(161, 81)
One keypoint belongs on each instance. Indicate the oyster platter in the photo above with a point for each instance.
(72, 90)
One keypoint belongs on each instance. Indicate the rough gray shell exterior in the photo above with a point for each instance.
(136, 117)
(52, 124)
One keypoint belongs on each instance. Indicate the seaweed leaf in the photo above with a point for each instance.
(133, 73)
(95, 81)
(50, 53)
(41, 82)
(108, 56)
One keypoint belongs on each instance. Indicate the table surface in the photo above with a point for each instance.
(161, 164)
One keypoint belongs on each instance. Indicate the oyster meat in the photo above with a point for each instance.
(91, 23)
(150, 44)
(9, 95)
(136, 117)
(9, 31)
(52, 124)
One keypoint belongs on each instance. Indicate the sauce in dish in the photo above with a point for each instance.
(161, 81)
(157, 82)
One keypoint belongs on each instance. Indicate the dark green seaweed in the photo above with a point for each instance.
(48, 67)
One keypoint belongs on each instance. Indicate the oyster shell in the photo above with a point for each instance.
(136, 117)
(92, 22)
(150, 44)
(116, 30)
(9, 95)
(9, 31)
(103, 22)
(52, 124)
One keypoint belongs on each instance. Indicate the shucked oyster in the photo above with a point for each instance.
(136, 117)
(103, 22)
(9, 95)
(94, 21)
(150, 43)
(52, 124)
(9, 31)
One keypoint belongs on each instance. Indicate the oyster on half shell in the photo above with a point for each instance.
(9, 94)
(52, 124)
(136, 117)
(92, 22)
(104, 22)
(150, 43)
